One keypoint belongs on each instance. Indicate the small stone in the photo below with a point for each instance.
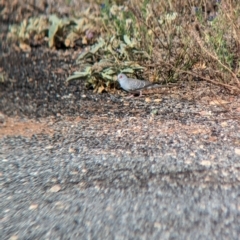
(224, 124)
(157, 225)
(2, 118)
(59, 205)
(71, 150)
(13, 237)
(237, 151)
(218, 102)
(154, 112)
(205, 163)
(33, 206)
(49, 147)
(147, 99)
(55, 188)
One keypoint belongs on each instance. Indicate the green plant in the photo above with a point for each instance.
(103, 61)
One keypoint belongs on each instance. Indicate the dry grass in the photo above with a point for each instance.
(190, 40)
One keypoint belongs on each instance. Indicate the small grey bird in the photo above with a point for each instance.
(132, 85)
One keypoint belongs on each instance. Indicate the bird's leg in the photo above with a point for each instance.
(135, 94)
(131, 96)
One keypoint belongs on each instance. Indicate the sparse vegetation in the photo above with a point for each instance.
(57, 32)
(170, 40)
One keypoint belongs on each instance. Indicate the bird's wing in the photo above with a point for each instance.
(138, 84)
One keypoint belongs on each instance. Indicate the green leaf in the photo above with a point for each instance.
(97, 46)
(127, 70)
(106, 76)
(53, 29)
(127, 40)
(109, 71)
(112, 39)
(134, 65)
(83, 55)
(131, 43)
(77, 75)
(143, 53)
(123, 50)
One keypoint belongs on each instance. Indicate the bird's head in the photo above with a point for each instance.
(121, 76)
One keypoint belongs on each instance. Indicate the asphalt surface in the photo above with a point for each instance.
(75, 186)
(105, 167)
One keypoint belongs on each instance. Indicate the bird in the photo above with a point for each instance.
(132, 85)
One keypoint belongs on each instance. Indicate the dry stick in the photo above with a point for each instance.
(227, 109)
(160, 27)
(227, 86)
(211, 81)
(215, 58)
(140, 19)
(194, 74)
(234, 29)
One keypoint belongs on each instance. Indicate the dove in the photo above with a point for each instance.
(132, 85)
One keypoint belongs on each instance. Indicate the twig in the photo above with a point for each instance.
(227, 86)
(198, 40)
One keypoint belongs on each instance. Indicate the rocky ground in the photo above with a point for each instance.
(80, 165)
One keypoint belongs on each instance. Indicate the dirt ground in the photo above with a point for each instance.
(34, 85)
